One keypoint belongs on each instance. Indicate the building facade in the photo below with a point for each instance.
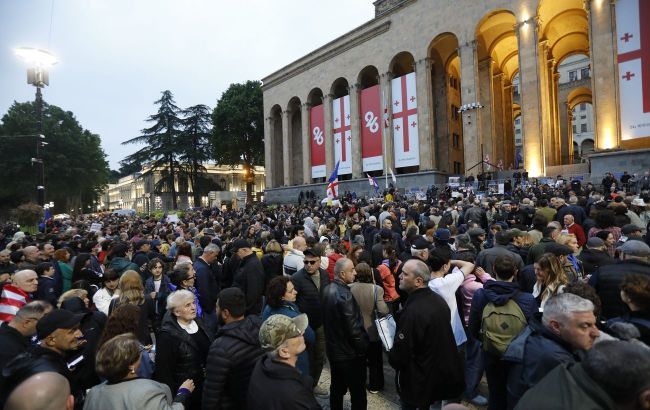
(471, 69)
(137, 192)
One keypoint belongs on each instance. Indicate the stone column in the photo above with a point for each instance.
(269, 126)
(469, 94)
(531, 98)
(604, 73)
(286, 147)
(508, 124)
(489, 140)
(441, 102)
(355, 127)
(425, 108)
(329, 134)
(387, 133)
(498, 134)
(306, 144)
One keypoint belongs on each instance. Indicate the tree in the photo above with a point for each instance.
(162, 145)
(76, 170)
(239, 128)
(195, 140)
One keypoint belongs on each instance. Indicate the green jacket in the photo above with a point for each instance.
(536, 251)
(66, 273)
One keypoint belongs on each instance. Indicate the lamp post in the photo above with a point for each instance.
(38, 62)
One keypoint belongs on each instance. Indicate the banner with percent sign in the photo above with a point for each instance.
(317, 133)
(342, 134)
(371, 142)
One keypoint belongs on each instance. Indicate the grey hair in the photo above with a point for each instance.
(178, 298)
(340, 266)
(32, 309)
(180, 240)
(559, 307)
(620, 368)
(212, 248)
(421, 270)
(417, 252)
(5, 252)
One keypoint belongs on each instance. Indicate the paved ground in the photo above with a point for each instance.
(384, 400)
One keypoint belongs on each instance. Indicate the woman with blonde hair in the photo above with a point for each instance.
(131, 291)
(551, 279)
(74, 293)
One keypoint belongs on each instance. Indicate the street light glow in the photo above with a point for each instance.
(36, 57)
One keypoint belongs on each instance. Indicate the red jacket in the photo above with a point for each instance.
(11, 301)
(579, 233)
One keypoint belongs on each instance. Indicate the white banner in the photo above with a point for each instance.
(405, 121)
(634, 67)
(342, 134)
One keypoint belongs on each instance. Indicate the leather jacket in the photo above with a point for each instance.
(345, 336)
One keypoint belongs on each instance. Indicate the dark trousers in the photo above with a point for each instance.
(348, 375)
(473, 366)
(316, 352)
(496, 371)
(375, 361)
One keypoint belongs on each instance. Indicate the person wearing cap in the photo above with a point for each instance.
(275, 383)
(630, 232)
(233, 354)
(486, 257)
(346, 340)
(634, 259)
(477, 236)
(249, 277)
(518, 242)
(59, 335)
(420, 249)
(594, 255)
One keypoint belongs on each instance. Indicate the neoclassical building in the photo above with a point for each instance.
(430, 82)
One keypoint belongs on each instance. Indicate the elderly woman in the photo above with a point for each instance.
(370, 296)
(117, 362)
(281, 300)
(182, 346)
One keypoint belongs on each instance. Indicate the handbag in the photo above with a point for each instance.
(385, 325)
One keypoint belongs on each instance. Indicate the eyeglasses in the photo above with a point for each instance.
(191, 277)
(311, 262)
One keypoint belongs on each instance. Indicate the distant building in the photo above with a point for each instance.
(137, 191)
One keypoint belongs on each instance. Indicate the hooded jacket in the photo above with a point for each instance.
(499, 293)
(120, 265)
(230, 362)
(278, 386)
(250, 279)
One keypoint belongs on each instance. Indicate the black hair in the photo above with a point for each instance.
(232, 300)
(437, 259)
(42, 267)
(504, 267)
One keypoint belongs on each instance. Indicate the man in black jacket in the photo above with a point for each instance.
(346, 340)
(607, 279)
(141, 259)
(249, 277)
(206, 284)
(232, 355)
(310, 282)
(424, 353)
(14, 335)
(275, 383)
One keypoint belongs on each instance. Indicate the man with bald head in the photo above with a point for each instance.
(42, 391)
(32, 258)
(293, 261)
(17, 294)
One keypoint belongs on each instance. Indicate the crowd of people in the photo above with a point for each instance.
(543, 291)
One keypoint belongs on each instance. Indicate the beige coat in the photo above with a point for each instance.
(366, 297)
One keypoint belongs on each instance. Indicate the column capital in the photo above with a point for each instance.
(306, 105)
(498, 76)
(486, 61)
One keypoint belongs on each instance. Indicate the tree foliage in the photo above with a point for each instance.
(239, 126)
(76, 170)
(195, 140)
(162, 146)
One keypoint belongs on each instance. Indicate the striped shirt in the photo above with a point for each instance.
(11, 300)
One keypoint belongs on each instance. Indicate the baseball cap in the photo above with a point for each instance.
(155, 242)
(443, 234)
(240, 244)
(476, 232)
(558, 249)
(629, 228)
(595, 242)
(56, 319)
(277, 329)
(515, 233)
(635, 248)
(420, 243)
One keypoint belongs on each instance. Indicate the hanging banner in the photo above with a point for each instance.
(342, 134)
(317, 128)
(634, 67)
(405, 121)
(371, 142)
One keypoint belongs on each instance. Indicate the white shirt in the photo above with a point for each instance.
(446, 287)
(102, 299)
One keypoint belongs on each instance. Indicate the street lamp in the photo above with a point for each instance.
(38, 62)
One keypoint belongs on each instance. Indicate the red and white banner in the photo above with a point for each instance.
(317, 129)
(371, 142)
(342, 134)
(633, 34)
(405, 121)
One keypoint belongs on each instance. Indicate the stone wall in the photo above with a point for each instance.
(632, 161)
